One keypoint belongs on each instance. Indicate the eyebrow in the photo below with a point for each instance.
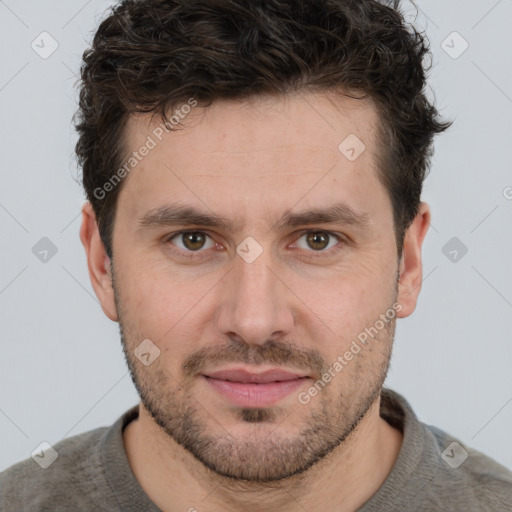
(181, 215)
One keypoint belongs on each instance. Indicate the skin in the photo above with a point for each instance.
(297, 306)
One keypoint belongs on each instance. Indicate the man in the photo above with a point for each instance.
(254, 224)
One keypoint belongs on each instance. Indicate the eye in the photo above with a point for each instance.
(318, 240)
(192, 241)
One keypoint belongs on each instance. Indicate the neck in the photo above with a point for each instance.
(343, 480)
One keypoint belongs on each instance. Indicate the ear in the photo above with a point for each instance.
(411, 275)
(98, 262)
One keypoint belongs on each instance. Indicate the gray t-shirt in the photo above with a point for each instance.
(92, 473)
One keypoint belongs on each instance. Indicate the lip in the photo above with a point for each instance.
(242, 375)
(246, 389)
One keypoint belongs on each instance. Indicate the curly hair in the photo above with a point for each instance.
(148, 56)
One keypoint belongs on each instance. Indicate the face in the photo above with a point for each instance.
(292, 262)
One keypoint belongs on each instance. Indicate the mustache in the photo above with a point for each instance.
(271, 352)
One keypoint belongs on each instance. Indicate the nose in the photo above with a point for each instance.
(256, 304)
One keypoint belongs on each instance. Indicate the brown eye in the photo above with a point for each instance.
(318, 240)
(192, 241)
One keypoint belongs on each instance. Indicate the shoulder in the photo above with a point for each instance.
(437, 471)
(76, 474)
(468, 476)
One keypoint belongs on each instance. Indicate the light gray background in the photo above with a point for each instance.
(62, 370)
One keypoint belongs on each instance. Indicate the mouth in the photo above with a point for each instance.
(248, 389)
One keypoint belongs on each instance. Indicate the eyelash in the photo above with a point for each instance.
(197, 254)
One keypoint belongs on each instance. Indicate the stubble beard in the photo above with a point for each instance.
(268, 455)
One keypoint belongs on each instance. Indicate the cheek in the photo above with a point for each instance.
(356, 293)
(341, 307)
(165, 307)
(149, 302)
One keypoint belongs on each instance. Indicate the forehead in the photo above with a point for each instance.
(263, 126)
(266, 149)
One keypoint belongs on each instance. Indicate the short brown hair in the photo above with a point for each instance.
(148, 56)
